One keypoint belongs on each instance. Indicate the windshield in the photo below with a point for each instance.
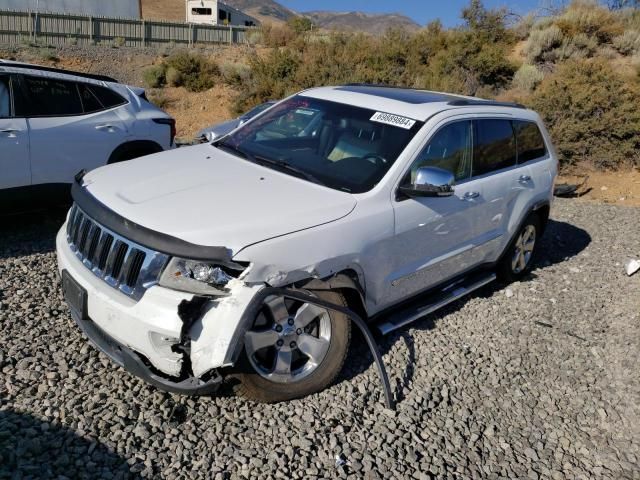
(256, 110)
(340, 146)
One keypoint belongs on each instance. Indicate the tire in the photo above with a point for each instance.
(518, 259)
(257, 383)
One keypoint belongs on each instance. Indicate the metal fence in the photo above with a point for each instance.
(61, 29)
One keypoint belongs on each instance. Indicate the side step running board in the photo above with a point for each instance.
(449, 294)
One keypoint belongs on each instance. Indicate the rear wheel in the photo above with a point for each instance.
(518, 259)
(294, 349)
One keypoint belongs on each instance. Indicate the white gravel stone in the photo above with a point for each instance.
(499, 385)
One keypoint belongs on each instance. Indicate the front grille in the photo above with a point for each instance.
(121, 263)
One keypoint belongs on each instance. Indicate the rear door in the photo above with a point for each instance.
(15, 170)
(505, 184)
(69, 128)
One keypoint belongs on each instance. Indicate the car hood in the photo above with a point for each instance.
(208, 197)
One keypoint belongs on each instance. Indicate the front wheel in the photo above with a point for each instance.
(294, 349)
(518, 259)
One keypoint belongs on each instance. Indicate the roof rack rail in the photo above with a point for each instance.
(378, 85)
(27, 66)
(484, 103)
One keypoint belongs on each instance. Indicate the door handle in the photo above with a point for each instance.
(524, 178)
(104, 127)
(10, 131)
(471, 195)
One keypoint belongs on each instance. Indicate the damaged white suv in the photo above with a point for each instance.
(390, 202)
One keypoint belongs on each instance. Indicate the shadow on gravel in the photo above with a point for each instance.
(560, 242)
(29, 233)
(32, 448)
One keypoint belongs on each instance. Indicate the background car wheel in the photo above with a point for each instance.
(518, 259)
(294, 349)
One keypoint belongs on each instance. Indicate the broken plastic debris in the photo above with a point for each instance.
(340, 461)
(632, 266)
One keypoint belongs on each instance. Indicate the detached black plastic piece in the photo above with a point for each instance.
(259, 299)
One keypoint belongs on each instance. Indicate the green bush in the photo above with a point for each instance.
(592, 114)
(195, 71)
(174, 77)
(236, 74)
(155, 76)
(527, 78)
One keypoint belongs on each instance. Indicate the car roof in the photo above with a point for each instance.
(412, 103)
(11, 66)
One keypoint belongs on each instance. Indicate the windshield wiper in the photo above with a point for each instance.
(268, 162)
(287, 167)
(232, 148)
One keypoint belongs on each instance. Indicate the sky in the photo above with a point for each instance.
(422, 11)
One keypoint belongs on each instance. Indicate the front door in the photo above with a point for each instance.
(14, 142)
(435, 237)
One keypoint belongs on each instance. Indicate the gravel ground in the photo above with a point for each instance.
(537, 380)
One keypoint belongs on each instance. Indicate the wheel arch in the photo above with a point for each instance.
(346, 282)
(542, 210)
(134, 149)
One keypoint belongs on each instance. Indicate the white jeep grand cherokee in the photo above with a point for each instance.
(391, 202)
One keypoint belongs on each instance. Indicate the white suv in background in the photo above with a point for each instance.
(54, 123)
(396, 203)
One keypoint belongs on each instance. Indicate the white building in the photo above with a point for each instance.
(214, 12)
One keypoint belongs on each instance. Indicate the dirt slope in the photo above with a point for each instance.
(173, 10)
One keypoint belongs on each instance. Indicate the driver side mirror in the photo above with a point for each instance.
(430, 182)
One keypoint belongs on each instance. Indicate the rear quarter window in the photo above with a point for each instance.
(107, 97)
(530, 141)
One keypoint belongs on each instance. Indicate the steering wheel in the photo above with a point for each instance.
(375, 159)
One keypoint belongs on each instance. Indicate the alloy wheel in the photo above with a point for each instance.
(289, 340)
(523, 251)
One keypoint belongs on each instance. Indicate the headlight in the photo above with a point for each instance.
(193, 276)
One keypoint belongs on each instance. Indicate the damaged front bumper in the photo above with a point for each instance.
(151, 337)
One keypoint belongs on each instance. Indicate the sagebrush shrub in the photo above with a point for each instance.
(174, 77)
(527, 78)
(196, 72)
(541, 42)
(628, 43)
(155, 76)
(592, 114)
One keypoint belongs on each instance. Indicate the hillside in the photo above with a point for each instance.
(263, 10)
(361, 22)
(270, 11)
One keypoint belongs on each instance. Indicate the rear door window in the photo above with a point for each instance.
(530, 141)
(494, 146)
(5, 97)
(47, 97)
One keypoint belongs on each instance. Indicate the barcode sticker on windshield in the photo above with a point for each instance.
(395, 120)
